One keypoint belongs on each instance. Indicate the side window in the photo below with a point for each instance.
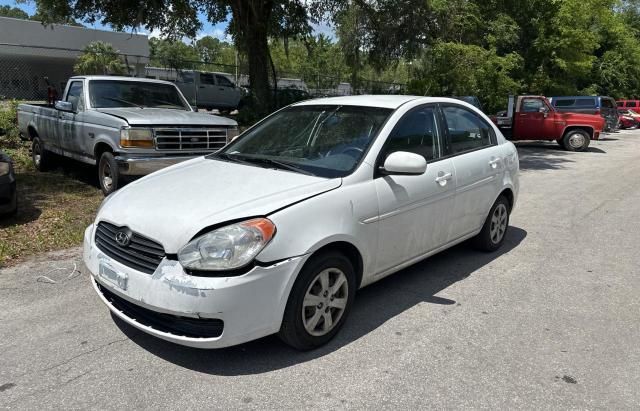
(417, 133)
(586, 102)
(561, 103)
(206, 78)
(607, 103)
(223, 81)
(186, 77)
(467, 131)
(75, 96)
(620, 103)
(531, 105)
(630, 104)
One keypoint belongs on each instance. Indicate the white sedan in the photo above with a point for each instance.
(276, 232)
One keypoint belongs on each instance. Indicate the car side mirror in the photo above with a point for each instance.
(404, 163)
(64, 106)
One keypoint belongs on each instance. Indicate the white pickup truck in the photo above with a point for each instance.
(126, 126)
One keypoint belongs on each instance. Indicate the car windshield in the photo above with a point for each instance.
(325, 141)
(123, 93)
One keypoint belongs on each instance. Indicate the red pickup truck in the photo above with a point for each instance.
(533, 118)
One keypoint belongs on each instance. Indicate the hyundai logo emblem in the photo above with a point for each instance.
(123, 238)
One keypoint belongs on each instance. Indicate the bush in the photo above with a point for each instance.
(9, 124)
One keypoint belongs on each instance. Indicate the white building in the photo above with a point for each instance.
(30, 51)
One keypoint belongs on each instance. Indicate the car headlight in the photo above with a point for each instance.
(4, 169)
(136, 137)
(229, 247)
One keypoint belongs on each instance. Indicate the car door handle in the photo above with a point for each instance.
(494, 162)
(443, 178)
(201, 86)
(221, 88)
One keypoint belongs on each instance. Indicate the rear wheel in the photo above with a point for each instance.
(560, 143)
(495, 226)
(319, 301)
(108, 174)
(576, 140)
(42, 159)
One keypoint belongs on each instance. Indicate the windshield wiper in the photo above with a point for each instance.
(231, 157)
(119, 100)
(272, 162)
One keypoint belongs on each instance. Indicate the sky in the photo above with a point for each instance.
(208, 29)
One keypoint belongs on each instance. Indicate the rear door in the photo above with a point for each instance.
(479, 164)
(227, 93)
(529, 121)
(414, 211)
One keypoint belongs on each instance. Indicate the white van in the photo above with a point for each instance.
(203, 89)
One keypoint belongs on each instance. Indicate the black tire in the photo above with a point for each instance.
(560, 142)
(486, 240)
(108, 173)
(576, 140)
(293, 331)
(42, 159)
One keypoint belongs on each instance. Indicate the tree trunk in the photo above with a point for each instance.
(251, 18)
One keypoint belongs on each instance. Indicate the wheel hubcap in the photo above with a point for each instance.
(36, 154)
(576, 140)
(325, 301)
(107, 180)
(498, 223)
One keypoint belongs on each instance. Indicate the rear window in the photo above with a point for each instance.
(586, 102)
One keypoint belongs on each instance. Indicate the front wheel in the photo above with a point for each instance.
(108, 173)
(495, 227)
(576, 140)
(319, 302)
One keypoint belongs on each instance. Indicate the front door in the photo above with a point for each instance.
(414, 210)
(529, 120)
(71, 123)
(207, 91)
(479, 163)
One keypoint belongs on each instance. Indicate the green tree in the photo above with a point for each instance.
(172, 54)
(99, 57)
(252, 23)
(16, 13)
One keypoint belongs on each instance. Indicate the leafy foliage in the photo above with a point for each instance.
(99, 57)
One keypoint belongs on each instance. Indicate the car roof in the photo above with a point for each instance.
(121, 78)
(382, 101)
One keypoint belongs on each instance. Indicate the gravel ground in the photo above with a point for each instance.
(550, 321)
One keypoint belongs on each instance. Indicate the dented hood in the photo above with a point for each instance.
(173, 205)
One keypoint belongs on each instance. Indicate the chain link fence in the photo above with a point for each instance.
(34, 73)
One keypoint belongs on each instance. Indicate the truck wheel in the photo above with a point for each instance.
(319, 301)
(495, 227)
(42, 159)
(108, 173)
(576, 140)
(560, 143)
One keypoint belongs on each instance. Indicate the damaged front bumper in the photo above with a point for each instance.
(202, 312)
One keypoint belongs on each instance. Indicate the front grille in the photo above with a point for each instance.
(190, 139)
(173, 324)
(141, 253)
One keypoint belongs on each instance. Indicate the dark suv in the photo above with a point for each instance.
(602, 105)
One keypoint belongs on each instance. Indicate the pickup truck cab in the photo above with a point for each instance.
(126, 126)
(533, 118)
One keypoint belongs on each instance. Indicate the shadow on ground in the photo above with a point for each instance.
(374, 305)
(547, 156)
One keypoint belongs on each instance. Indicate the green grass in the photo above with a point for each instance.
(54, 208)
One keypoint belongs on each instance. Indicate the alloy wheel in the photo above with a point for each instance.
(498, 223)
(106, 176)
(325, 301)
